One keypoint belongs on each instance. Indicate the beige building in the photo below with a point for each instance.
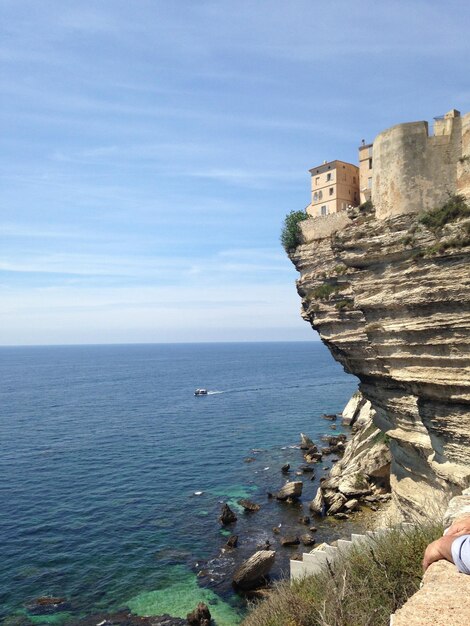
(335, 186)
(365, 171)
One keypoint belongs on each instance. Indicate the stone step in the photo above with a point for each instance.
(331, 552)
(314, 562)
(317, 557)
(298, 569)
(358, 538)
(344, 545)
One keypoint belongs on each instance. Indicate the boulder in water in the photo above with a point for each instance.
(289, 540)
(291, 491)
(227, 516)
(252, 572)
(305, 442)
(45, 605)
(232, 541)
(307, 539)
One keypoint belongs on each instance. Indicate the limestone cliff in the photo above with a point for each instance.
(391, 300)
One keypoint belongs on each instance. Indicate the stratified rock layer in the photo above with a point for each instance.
(391, 300)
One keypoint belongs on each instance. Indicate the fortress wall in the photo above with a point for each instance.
(399, 158)
(413, 171)
(463, 165)
(316, 228)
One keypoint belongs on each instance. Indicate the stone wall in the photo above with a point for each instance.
(316, 228)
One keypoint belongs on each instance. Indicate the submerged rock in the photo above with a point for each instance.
(200, 616)
(126, 618)
(45, 605)
(253, 571)
(285, 468)
(248, 505)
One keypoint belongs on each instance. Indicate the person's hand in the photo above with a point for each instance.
(459, 527)
(438, 550)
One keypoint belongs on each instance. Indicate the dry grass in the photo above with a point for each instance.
(361, 589)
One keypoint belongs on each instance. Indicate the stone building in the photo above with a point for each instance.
(405, 170)
(335, 186)
(365, 171)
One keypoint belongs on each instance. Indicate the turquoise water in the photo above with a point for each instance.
(104, 447)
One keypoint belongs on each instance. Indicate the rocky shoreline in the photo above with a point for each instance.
(309, 506)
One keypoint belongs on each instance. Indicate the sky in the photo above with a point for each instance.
(151, 150)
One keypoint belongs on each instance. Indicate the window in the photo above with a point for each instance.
(317, 181)
(343, 205)
(369, 183)
(370, 163)
(324, 210)
(320, 195)
(354, 180)
(315, 196)
(329, 176)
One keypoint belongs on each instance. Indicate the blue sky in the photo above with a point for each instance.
(151, 150)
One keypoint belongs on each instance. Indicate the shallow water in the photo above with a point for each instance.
(104, 447)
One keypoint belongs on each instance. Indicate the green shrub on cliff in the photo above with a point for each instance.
(455, 207)
(363, 588)
(290, 235)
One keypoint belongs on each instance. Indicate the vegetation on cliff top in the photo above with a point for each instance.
(456, 207)
(290, 234)
(363, 588)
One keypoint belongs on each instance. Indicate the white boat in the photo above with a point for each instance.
(200, 392)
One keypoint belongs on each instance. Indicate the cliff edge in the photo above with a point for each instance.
(391, 300)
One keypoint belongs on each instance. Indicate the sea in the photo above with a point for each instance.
(113, 474)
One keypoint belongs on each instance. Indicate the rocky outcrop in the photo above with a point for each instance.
(391, 300)
(363, 471)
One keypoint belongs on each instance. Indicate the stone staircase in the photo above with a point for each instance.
(316, 561)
